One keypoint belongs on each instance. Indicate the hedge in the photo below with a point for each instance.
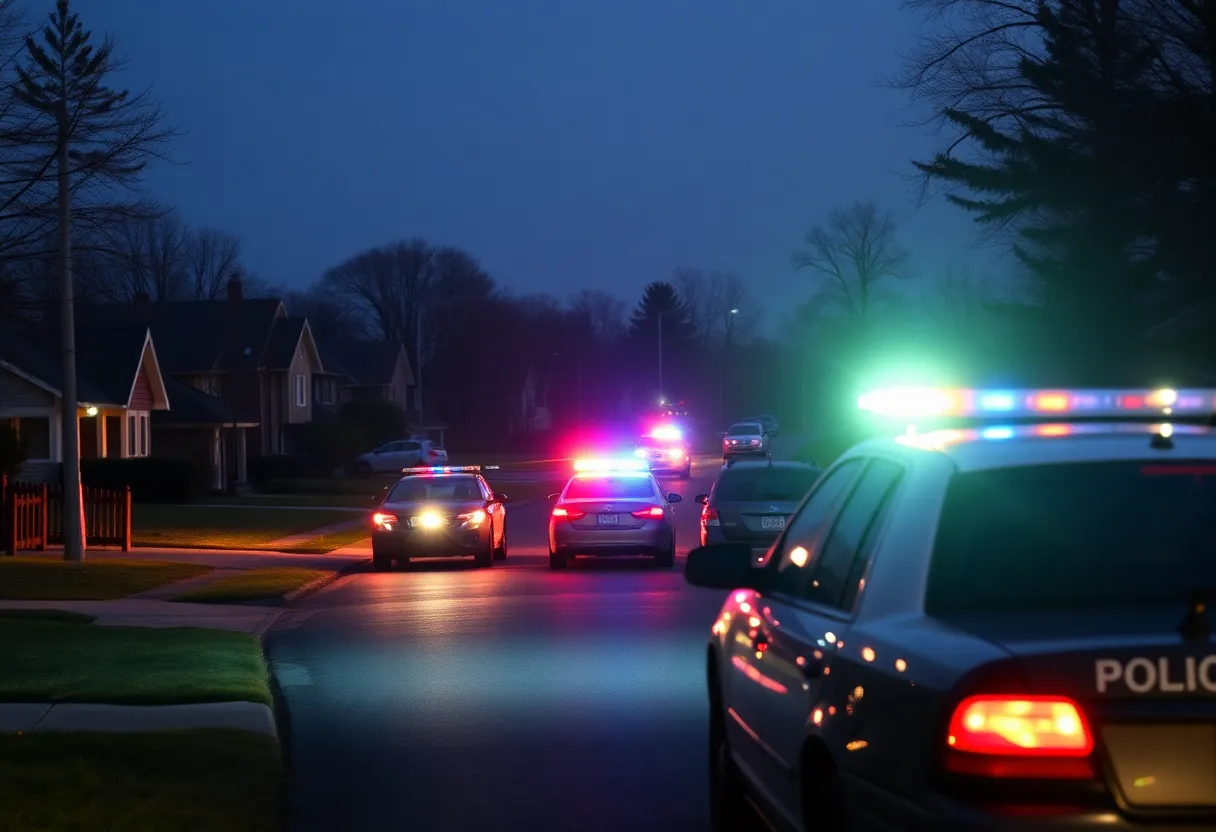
(152, 479)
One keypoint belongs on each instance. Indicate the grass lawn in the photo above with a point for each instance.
(324, 544)
(56, 660)
(47, 578)
(224, 527)
(178, 780)
(253, 585)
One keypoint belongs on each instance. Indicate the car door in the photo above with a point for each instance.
(753, 682)
(384, 459)
(808, 629)
(410, 454)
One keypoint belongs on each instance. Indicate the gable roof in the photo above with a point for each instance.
(107, 360)
(195, 336)
(286, 336)
(373, 363)
(192, 408)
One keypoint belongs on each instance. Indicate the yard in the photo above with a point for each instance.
(254, 585)
(63, 657)
(46, 577)
(180, 780)
(205, 526)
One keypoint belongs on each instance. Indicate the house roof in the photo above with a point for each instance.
(192, 407)
(373, 363)
(107, 360)
(196, 336)
(284, 339)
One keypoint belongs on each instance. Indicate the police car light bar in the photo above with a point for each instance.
(913, 402)
(607, 466)
(667, 433)
(450, 469)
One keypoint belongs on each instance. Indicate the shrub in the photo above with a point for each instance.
(152, 479)
(13, 452)
(278, 466)
(370, 423)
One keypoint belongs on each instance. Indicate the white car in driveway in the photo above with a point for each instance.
(393, 457)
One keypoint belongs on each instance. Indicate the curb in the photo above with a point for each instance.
(322, 582)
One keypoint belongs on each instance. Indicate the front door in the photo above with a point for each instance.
(113, 437)
(88, 438)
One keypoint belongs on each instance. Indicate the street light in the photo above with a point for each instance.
(730, 326)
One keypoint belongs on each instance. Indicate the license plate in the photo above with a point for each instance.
(609, 520)
(772, 522)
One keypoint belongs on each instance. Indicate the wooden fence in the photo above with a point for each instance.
(32, 516)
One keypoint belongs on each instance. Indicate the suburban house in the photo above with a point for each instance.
(119, 389)
(251, 362)
(364, 371)
(532, 415)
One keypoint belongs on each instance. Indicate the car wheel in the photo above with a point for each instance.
(667, 558)
(485, 557)
(501, 552)
(729, 810)
(381, 562)
(824, 807)
(558, 560)
(363, 470)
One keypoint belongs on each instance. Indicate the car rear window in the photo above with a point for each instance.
(1079, 535)
(741, 485)
(609, 488)
(744, 429)
(418, 489)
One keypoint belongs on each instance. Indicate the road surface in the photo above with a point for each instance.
(513, 698)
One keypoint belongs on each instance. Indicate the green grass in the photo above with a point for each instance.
(253, 585)
(224, 527)
(186, 781)
(47, 578)
(324, 544)
(62, 661)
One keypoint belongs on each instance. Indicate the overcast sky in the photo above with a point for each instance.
(597, 143)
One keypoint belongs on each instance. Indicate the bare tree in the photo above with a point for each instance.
(699, 292)
(718, 303)
(146, 256)
(213, 257)
(604, 314)
(857, 251)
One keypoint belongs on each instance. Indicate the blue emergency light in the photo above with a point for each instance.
(927, 402)
(610, 466)
(450, 469)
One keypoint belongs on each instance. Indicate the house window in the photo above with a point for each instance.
(143, 434)
(34, 432)
(301, 390)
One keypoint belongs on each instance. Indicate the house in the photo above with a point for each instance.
(365, 371)
(247, 353)
(119, 384)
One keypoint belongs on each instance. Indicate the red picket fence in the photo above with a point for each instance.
(32, 516)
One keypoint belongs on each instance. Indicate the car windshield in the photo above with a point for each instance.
(1076, 535)
(744, 429)
(749, 485)
(652, 442)
(440, 489)
(609, 488)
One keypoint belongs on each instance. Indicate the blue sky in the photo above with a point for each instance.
(597, 143)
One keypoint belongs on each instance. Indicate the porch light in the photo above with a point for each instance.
(90, 411)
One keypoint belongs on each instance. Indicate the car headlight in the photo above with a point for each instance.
(384, 521)
(472, 520)
(428, 520)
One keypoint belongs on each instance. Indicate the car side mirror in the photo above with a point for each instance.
(722, 566)
(553, 497)
(674, 497)
(499, 497)
(703, 499)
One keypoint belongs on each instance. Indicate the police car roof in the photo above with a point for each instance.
(977, 449)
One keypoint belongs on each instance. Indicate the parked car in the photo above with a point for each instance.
(392, 457)
(750, 501)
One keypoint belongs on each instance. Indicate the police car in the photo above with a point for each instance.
(997, 627)
(439, 512)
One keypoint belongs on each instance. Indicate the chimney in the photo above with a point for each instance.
(236, 288)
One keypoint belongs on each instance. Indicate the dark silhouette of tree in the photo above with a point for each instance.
(660, 300)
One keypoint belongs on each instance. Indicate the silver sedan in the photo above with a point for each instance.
(614, 513)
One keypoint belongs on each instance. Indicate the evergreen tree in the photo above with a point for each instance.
(661, 300)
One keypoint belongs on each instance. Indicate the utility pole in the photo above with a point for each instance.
(73, 498)
(418, 370)
(662, 392)
(730, 325)
(578, 390)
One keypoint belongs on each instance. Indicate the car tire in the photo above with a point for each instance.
(485, 558)
(666, 559)
(381, 562)
(824, 806)
(729, 809)
(558, 560)
(501, 552)
(363, 470)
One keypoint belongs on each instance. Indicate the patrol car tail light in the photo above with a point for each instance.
(709, 517)
(1019, 736)
(567, 514)
(651, 513)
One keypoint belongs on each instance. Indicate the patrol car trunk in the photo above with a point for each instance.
(608, 514)
(1148, 694)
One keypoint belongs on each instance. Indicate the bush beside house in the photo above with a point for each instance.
(13, 452)
(152, 479)
(327, 445)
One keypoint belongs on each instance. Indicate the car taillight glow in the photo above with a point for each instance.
(648, 513)
(1019, 736)
(709, 517)
(566, 514)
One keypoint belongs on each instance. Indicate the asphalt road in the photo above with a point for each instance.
(444, 697)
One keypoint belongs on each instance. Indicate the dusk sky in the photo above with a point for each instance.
(597, 143)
